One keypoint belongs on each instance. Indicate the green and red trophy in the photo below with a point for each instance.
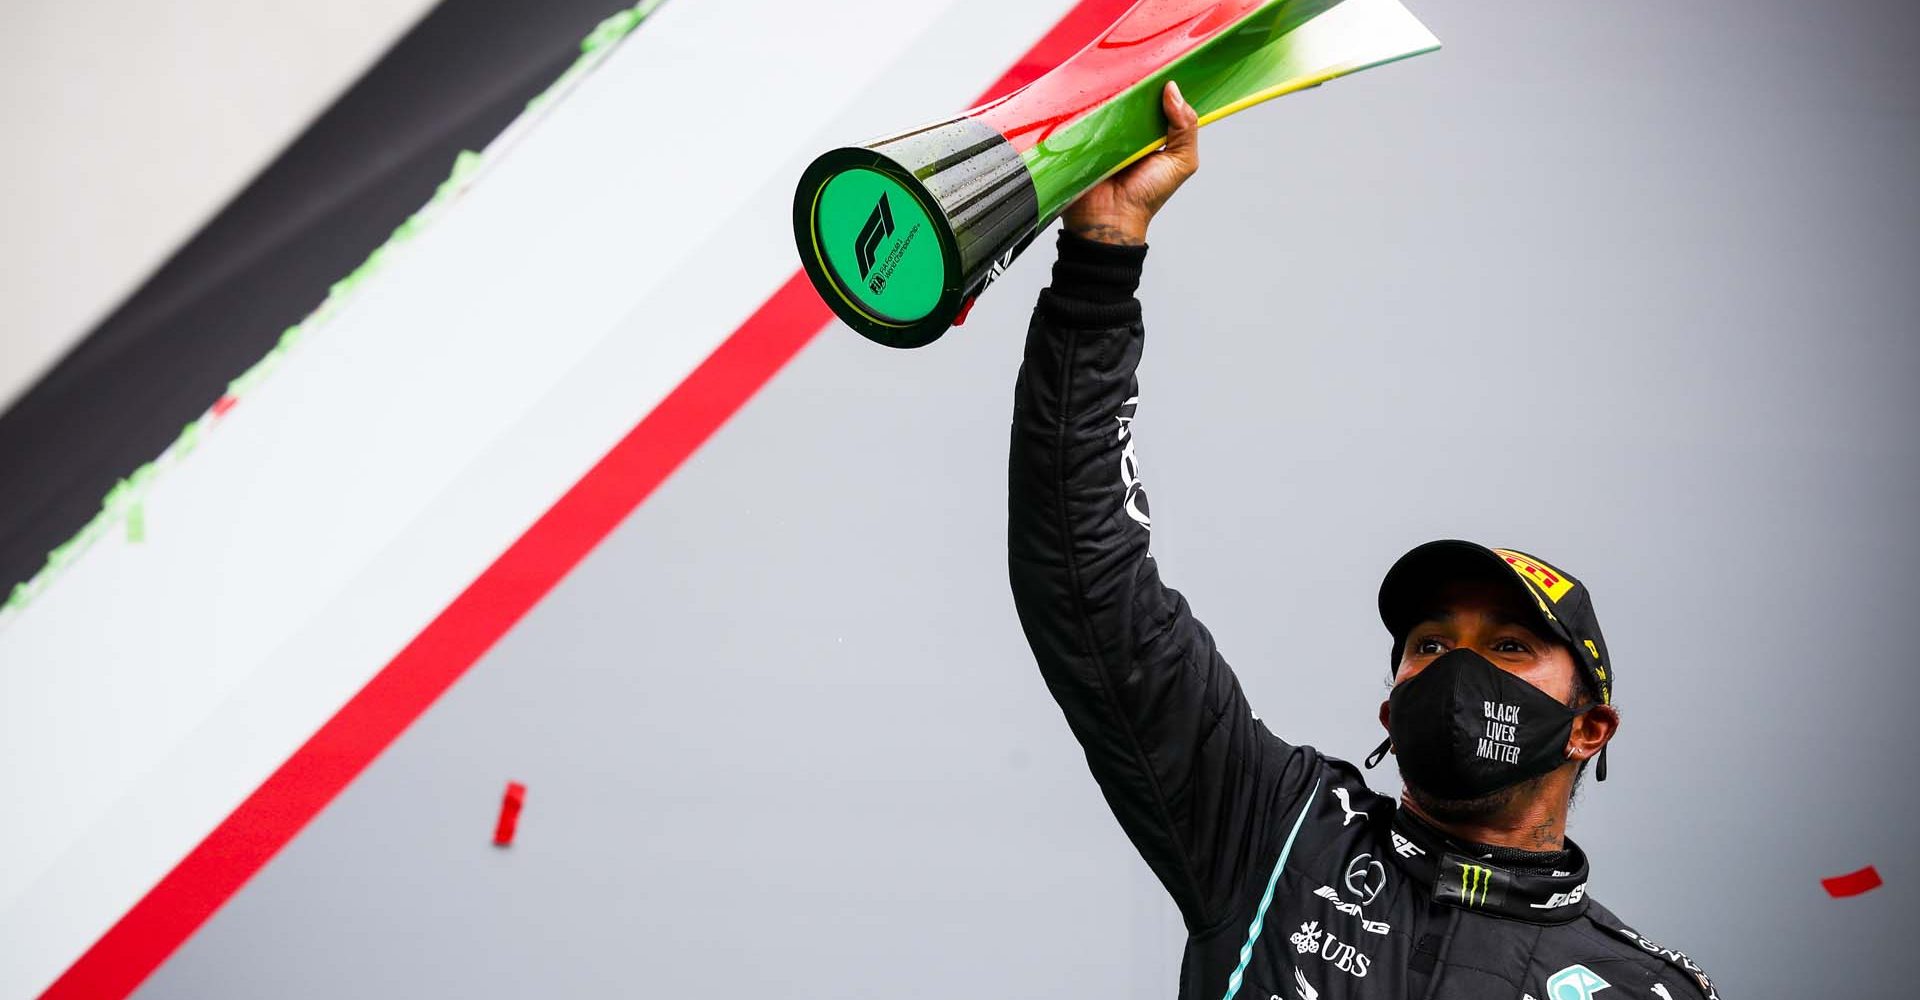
(901, 233)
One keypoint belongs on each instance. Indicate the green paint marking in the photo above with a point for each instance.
(879, 244)
(595, 46)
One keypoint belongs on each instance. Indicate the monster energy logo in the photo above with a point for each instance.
(1474, 880)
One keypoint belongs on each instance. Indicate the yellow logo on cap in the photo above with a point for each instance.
(1541, 575)
(1591, 648)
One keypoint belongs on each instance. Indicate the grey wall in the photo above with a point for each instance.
(1630, 285)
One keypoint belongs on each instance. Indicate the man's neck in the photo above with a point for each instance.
(1530, 824)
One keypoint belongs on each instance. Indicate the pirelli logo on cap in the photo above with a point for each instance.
(1545, 577)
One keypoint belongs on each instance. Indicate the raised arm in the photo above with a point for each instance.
(1186, 768)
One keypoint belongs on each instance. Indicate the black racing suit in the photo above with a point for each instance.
(1295, 880)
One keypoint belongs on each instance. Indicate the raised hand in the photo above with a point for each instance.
(1118, 209)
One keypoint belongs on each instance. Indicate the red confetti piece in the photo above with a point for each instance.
(1852, 883)
(222, 405)
(509, 813)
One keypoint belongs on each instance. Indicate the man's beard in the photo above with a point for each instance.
(1486, 807)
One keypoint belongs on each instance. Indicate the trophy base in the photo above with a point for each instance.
(899, 234)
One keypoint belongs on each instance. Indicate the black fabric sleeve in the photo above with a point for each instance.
(1190, 773)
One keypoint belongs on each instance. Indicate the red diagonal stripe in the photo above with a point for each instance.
(215, 869)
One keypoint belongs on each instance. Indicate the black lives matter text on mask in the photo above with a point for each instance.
(1464, 728)
(1502, 729)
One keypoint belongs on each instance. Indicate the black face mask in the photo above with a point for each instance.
(1464, 728)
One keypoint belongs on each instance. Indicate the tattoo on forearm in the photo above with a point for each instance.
(1101, 232)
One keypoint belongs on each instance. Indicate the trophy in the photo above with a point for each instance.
(900, 234)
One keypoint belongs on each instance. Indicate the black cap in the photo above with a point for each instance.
(1564, 603)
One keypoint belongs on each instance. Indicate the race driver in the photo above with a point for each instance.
(1295, 880)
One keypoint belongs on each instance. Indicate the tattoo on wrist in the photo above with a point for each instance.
(1103, 232)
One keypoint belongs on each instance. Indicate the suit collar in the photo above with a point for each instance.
(1488, 880)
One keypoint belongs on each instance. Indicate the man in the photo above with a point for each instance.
(1295, 880)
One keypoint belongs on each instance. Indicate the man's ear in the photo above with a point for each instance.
(1385, 716)
(1591, 731)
